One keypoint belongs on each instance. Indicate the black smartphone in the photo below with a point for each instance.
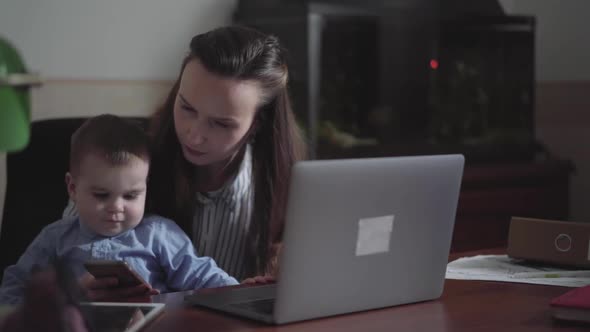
(117, 269)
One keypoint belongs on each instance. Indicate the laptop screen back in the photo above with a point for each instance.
(366, 233)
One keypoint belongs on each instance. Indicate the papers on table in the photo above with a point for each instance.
(503, 268)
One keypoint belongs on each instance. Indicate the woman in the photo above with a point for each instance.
(224, 144)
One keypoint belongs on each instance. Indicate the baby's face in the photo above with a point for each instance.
(110, 199)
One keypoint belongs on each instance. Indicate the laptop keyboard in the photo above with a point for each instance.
(265, 306)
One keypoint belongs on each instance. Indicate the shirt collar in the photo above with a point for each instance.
(87, 233)
(235, 187)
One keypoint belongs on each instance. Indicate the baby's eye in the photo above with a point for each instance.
(100, 195)
(131, 196)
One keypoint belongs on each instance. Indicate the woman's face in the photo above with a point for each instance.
(212, 114)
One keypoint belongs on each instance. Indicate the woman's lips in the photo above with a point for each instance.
(193, 151)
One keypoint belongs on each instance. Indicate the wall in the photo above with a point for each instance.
(563, 88)
(562, 124)
(104, 56)
(562, 47)
(108, 39)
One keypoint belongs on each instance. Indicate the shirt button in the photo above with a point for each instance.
(202, 199)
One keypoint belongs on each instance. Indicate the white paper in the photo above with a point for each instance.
(503, 268)
(373, 235)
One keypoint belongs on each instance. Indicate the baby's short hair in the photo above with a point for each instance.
(113, 138)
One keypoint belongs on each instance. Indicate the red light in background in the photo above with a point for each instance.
(433, 64)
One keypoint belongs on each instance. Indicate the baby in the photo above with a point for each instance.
(109, 166)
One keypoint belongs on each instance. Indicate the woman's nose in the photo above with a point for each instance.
(197, 134)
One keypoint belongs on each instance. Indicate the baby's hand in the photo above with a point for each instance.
(266, 279)
(104, 289)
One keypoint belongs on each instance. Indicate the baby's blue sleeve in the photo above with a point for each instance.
(38, 254)
(184, 269)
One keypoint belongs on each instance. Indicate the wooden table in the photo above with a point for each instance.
(464, 306)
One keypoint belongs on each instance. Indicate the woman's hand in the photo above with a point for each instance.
(266, 279)
(272, 269)
(104, 289)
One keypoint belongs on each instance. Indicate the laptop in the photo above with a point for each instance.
(359, 234)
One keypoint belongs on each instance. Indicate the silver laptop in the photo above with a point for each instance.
(360, 234)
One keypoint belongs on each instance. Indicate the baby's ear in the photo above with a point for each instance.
(71, 186)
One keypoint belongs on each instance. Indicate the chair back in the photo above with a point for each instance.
(36, 193)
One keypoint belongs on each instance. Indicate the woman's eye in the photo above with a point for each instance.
(100, 195)
(221, 124)
(187, 108)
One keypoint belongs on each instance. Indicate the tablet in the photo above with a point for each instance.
(119, 317)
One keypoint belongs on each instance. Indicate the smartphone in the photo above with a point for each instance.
(117, 269)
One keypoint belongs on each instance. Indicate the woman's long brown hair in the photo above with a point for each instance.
(243, 54)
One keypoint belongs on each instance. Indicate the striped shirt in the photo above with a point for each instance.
(221, 220)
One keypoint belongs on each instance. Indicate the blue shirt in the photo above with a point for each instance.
(221, 219)
(157, 249)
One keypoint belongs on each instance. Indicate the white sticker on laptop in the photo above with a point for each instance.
(374, 235)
